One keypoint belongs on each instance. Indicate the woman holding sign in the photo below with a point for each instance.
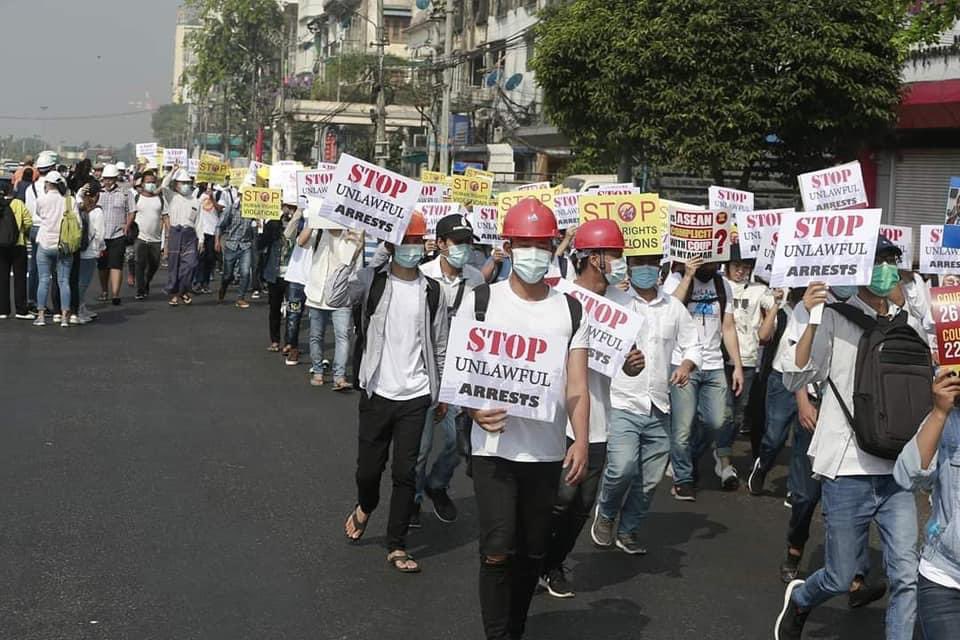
(181, 245)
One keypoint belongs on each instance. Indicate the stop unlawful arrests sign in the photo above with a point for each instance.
(368, 198)
(493, 367)
(839, 187)
(945, 308)
(750, 226)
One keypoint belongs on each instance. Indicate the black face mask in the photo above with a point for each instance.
(705, 274)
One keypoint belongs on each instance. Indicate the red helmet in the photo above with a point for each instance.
(417, 226)
(530, 218)
(598, 234)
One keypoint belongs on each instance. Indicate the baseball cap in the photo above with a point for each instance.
(885, 247)
(455, 227)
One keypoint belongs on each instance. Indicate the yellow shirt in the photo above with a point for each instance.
(24, 221)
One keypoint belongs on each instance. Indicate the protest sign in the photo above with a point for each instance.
(212, 170)
(283, 176)
(839, 187)
(613, 328)
(146, 151)
(750, 225)
(172, 157)
(493, 367)
(533, 186)
(507, 199)
(945, 309)
(471, 190)
(433, 212)
(313, 183)
(433, 177)
(484, 222)
(769, 237)
(833, 247)
(952, 215)
(619, 188)
(193, 165)
(935, 259)
(638, 215)
(251, 177)
(699, 234)
(566, 208)
(473, 172)
(434, 192)
(257, 202)
(365, 197)
(326, 166)
(903, 238)
(237, 175)
(729, 200)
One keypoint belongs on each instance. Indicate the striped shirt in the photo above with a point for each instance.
(116, 204)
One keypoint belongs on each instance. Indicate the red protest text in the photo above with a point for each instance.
(499, 343)
(372, 179)
(830, 226)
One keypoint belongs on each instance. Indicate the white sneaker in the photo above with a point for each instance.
(717, 465)
(64, 322)
(78, 319)
(39, 322)
(26, 316)
(57, 318)
(729, 479)
(3, 316)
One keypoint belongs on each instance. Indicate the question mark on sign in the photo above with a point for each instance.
(721, 237)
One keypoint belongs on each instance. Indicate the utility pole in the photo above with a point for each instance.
(447, 87)
(381, 146)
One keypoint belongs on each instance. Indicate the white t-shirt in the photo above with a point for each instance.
(750, 299)
(209, 218)
(705, 309)
(470, 276)
(150, 212)
(49, 214)
(402, 374)
(95, 244)
(524, 439)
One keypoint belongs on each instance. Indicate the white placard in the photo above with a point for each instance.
(750, 226)
(833, 247)
(566, 209)
(494, 367)
(431, 192)
(936, 259)
(533, 186)
(283, 176)
(729, 200)
(484, 222)
(313, 183)
(173, 157)
(433, 212)
(252, 170)
(326, 166)
(613, 328)
(769, 237)
(369, 198)
(699, 234)
(147, 150)
(618, 189)
(193, 165)
(903, 238)
(839, 187)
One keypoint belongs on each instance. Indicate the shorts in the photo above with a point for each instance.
(116, 251)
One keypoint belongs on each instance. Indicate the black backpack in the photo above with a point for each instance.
(9, 229)
(364, 311)
(892, 378)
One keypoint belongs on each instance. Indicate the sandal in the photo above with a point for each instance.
(358, 526)
(398, 559)
(342, 385)
(274, 348)
(174, 302)
(187, 298)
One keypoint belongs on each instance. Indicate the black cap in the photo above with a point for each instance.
(454, 227)
(885, 247)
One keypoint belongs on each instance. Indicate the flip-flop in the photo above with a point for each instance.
(187, 299)
(360, 527)
(273, 348)
(173, 302)
(399, 556)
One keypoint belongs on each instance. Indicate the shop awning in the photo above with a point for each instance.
(930, 105)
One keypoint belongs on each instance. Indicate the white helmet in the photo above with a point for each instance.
(53, 177)
(110, 171)
(46, 159)
(121, 166)
(182, 176)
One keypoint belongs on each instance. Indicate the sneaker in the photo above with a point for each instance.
(293, 358)
(602, 530)
(756, 479)
(790, 568)
(729, 480)
(717, 465)
(26, 316)
(4, 316)
(414, 521)
(684, 492)
(242, 304)
(556, 583)
(76, 319)
(39, 322)
(443, 506)
(255, 295)
(140, 296)
(628, 543)
(57, 318)
(791, 619)
(316, 380)
(788, 501)
(866, 594)
(64, 322)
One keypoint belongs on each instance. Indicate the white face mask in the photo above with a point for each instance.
(185, 189)
(531, 264)
(457, 255)
(149, 187)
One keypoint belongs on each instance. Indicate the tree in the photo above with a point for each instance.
(170, 126)
(708, 85)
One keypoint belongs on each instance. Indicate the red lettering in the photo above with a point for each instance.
(512, 345)
(831, 226)
(935, 235)
(475, 338)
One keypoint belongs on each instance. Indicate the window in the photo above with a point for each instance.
(477, 71)
(393, 27)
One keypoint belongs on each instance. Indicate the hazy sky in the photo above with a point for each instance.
(88, 57)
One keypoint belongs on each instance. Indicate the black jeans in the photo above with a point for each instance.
(13, 258)
(74, 285)
(148, 261)
(275, 296)
(572, 507)
(383, 421)
(514, 500)
(938, 610)
(207, 261)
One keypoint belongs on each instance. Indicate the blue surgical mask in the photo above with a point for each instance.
(457, 255)
(844, 291)
(618, 271)
(185, 189)
(408, 255)
(531, 264)
(644, 276)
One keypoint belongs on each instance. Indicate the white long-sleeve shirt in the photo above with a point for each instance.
(49, 213)
(96, 243)
(667, 325)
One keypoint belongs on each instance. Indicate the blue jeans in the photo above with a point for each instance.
(88, 266)
(938, 609)
(637, 448)
(704, 400)
(237, 260)
(850, 504)
(781, 417)
(33, 274)
(295, 299)
(340, 318)
(48, 262)
(446, 463)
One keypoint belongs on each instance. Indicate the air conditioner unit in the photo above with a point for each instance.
(419, 140)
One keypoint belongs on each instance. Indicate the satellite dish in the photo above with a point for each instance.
(423, 4)
(492, 77)
(513, 82)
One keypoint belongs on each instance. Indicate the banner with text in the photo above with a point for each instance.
(172, 157)
(750, 226)
(433, 212)
(212, 170)
(616, 189)
(146, 151)
(473, 172)
(945, 309)
(729, 200)
(484, 221)
(638, 215)
(433, 177)
(471, 190)
(434, 192)
(833, 247)
(839, 187)
(699, 234)
(566, 208)
(769, 237)
(257, 202)
(935, 259)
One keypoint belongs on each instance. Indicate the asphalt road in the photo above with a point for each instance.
(165, 477)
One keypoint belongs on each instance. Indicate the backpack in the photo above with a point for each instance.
(364, 311)
(892, 378)
(71, 230)
(9, 229)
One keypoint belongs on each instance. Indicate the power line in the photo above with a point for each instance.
(85, 117)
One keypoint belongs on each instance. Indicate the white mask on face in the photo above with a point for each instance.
(531, 264)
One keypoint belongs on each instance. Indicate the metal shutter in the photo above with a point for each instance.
(921, 178)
